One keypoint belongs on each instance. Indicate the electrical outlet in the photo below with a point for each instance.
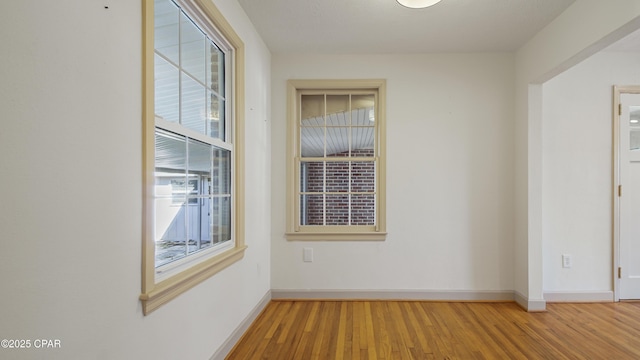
(567, 262)
(307, 254)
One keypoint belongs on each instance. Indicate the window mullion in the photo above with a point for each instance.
(186, 203)
(180, 71)
(207, 97)
(324, 166)
(349, 141)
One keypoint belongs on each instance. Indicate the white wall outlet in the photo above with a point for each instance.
(567, 261)
(307, 254)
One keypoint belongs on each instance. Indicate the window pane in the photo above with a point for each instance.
(215, 67)
(337, 179)
(193, 105)
(166, 80)
(634, 123)
(171, 232)
(312, 176)
(362, 110)
(363, 209)
(634, 139)
(338, 141)
(200, 159)
(362, 141)
(338, 113)
(170, 153)
(337, 210)
(205, 223)
(215, 116)
(199, 212)
(221, 219)
(192, 49)
(312, 110)
(311, 210)
(171, 187)
(166, 33)
(363, 176)
(171, 218)
(221, 181)
(312, 141)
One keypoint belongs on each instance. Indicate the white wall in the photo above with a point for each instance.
(449, 180)
(583, 29)
(577, 165)
(70, 200)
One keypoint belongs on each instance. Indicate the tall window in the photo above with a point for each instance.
(192, 152)
(192, 202)
(336, 169)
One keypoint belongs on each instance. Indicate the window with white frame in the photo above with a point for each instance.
(191, 204)
(336, 160)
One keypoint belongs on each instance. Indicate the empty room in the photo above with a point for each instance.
(281, 179)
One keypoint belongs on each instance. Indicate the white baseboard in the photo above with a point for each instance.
(232, 340)
(530, 305)
(426, 295)
(579, 296)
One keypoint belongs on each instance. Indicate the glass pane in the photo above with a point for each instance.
(170, 229)
(191, 188)
(338, 141)
(337, 177)
(362, 141)
(205, 222)
(167, 81)
(312, 176)
(339, 119)
(215, 116)
(170, 190)
(166, 35)
(312, 141)
(170, 153)
(362, 110)
(363, 176)
(312, 110)
(193, 224)
(634, 123)
(192, 49)
(193, 105)
(215, 67)
(635, 139)
(221, 220)
(200, 159)
(311, 210)
(337, 210)
(221, 181)
(363, 209)
(338, 112)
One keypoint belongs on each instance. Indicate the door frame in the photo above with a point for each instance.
(617, 91)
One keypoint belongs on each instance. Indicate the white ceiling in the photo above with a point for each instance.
(384, 26)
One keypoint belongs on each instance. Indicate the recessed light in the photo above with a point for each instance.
(634, 121)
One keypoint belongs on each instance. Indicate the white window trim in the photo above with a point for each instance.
(294, 231)
(157, 293)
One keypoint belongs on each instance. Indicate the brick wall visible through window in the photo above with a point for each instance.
(347, 199)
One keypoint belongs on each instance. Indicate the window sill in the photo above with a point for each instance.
(336, 236)
(170, 288)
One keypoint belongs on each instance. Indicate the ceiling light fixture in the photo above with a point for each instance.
(417, 4)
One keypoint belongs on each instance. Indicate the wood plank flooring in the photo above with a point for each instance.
(350, 330)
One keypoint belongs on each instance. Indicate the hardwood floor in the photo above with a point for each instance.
(435, 330)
